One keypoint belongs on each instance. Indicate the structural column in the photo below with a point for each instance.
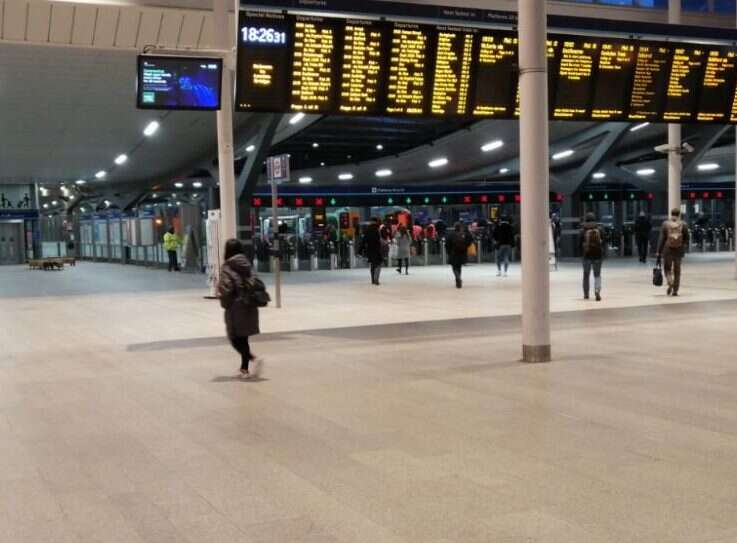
(674, 133)
(226, 167)
(534, 181)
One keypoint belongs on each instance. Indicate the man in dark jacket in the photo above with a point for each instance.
(504, 239)
(643, 227)
(593, 251)
(674, 238)
(456, 245)
(372, 248)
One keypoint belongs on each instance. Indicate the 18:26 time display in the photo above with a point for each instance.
(269, 36)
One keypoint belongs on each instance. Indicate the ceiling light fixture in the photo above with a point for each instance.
(379, 147)
(121, 159)
(54, 203)
(599, 175)
(305, 180)
(151, 129)
(297, 117)
(708, 167)
(639, 127)
(322, 164)
(80, 182)
(383, 173)
(438, 162)
(504, 170)
(179, 185)
(101, 174)
(644, 172)
(251, 148)
(345, 176)
(315, 145)
(197, 184)
(492, 145)
(560, 155)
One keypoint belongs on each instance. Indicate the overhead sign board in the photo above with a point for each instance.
(330, 65)
(277, 169)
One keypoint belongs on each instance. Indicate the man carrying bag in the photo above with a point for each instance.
(674, 238)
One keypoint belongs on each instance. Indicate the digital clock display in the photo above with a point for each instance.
(263, 35)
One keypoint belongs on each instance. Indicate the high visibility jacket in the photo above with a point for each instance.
(171, 242)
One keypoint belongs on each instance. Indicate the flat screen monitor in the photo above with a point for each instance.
(179, 83)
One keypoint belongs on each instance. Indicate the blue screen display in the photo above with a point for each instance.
(179, 83)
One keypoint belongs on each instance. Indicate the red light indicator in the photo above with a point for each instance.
(720, 195)
(484, 199)
(706, 195)
(299, 202)
(280, 202)
(517, 198)
(502, 198)
(650, 196)
(466, 199)
(257, 202)
(692, 195)
(559, 197)
(319, 202)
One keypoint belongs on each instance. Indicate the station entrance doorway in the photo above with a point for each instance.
(11, 243)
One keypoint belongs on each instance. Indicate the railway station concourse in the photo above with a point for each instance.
(518, 143)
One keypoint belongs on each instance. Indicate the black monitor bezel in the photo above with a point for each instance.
(139, 73)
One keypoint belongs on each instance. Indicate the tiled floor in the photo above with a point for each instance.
(397, 413)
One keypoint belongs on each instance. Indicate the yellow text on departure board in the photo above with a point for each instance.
(361, 67)
(312, 75)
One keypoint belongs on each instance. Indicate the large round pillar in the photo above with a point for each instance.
(534, 181)
(674, 133)
(226, 166)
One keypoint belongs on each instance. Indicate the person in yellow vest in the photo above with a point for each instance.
(171, 244)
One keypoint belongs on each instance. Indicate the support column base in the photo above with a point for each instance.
(536, 353)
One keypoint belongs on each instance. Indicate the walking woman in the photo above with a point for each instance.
(241, 317)
(404, 249)
(456, 245)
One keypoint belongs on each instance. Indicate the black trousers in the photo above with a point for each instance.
(401, 261)
(642, 244)
(457, 270)
(241, 345)
(173, 264)
(375, 272)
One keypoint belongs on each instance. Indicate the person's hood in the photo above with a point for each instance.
(239, 264)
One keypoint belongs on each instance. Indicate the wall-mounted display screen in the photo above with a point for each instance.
(330, 65)
(179, 83)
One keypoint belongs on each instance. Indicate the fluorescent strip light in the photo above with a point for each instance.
(639, 127)
(379, 147)
(197, 184)
(438, 162)
(121, 159)
(305, 180)
(101, 174)
(644, 172)
(504, 170)
(251, 148)
(492, 145)
(563, 154)
(599, 175)
(315, 145)
(383, 173)
(80, 181)
(151, 128)
(179, 185)
(345, 176)
(296, 118)
(708, 167)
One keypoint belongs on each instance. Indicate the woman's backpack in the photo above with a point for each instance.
(254, 292)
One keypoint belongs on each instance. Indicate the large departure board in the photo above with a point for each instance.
(331, 65)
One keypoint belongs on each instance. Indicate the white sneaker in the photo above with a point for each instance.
(505, 274)
(498, 274)
(257, 366)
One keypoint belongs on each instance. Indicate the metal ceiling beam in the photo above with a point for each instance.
(248, 178)
(570, 183)
(709, 135)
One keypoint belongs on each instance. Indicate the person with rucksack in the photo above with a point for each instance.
(674, 238)
(504, 240)
(593, 251)
(372, 249)
(456, 245)
(241, 294)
